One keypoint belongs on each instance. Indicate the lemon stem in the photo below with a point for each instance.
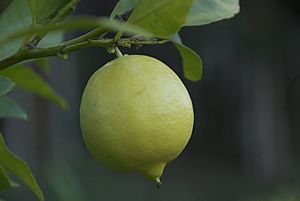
(118, 52)
(158, 182)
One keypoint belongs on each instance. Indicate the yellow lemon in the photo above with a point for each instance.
(136, 115)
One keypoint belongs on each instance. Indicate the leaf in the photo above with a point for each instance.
(123, 6)
(29, 80)
(4, 4)
(17, 17)
(6, 85)
(160, 17)
(11, 109)
(14, 17)
(5, 182)
(33, 6)
(43, 64)
(192, 64)
(48, 9)
(18, 167)
(207, 11)
(43, 10)
(51, 39)
(63, 176)
(78, 23)
(117, 25)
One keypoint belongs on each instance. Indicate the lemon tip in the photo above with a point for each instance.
(158, 182)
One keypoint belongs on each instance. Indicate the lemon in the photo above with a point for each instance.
(136, 115)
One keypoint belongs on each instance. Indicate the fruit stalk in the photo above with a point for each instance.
(118, 52)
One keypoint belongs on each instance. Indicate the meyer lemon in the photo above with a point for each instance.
(136, 115)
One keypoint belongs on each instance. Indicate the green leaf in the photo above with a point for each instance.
(6, 85)
(43, 64)
(11, 109)
(51, 39)
(18, 167)
(29, 80)
(192, 64)
(14, 18)
(43, 10)
(34, 7)
(47, 9)
(63, 176)
(207, 11)
(160, 17)
(78, 23)
(117, 25)
(123, 6)
(5, 182)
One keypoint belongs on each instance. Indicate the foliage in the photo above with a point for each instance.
(280, 194)
(29, 80)
(33, 29)
(8, 107)
(11, 163)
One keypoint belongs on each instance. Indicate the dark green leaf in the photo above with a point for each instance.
(123, 6)
(207, 11)
(18, 167)
(192, 64)
(6, 85)
(160, 17)
(5, 182)
(4, 4)
(47, 9)
(29, 80)
(11, 109)
(78, 23)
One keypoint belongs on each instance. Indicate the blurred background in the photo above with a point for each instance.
(245, 143)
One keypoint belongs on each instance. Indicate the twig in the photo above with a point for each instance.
(61, 15)
(73, 45)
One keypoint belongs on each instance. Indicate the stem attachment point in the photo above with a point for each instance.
(118, 52)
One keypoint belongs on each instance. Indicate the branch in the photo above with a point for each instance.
(73, 45)
(127, 42)
(29, 50)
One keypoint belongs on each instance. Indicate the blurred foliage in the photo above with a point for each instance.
(282, 194)
(65, 182)
(15, 165)
(27, 79)
(8, 107)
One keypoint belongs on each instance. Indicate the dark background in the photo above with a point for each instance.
(245, 143)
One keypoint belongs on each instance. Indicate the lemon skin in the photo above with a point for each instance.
(136, 115)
